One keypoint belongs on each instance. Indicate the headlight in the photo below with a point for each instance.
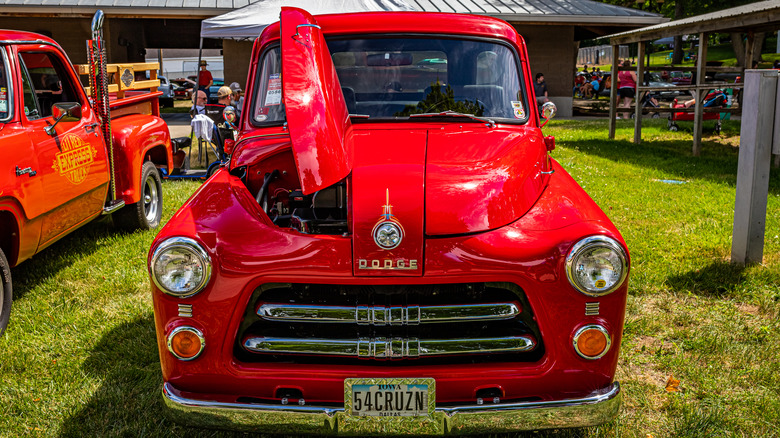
(180, 267)
(596, 265)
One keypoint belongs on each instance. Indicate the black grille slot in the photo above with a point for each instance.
(388, 324)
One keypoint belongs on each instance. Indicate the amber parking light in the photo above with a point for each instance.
(186, 343)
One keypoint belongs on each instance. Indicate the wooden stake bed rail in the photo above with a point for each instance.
(122, 77)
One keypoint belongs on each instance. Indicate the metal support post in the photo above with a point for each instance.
(640, 75)
(613, 91)
(755, 148)
(701, 71)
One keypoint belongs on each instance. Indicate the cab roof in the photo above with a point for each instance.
(365, 23)
(18, 36)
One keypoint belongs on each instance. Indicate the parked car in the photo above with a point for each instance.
(374, 252)
(672, 91)
(681, 77)
(185, 87)
(58, 172)
(167, 88)
(214, 88)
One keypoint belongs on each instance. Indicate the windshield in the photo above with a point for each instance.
(396, 77)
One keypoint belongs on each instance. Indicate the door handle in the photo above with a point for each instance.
(91, 128)
(27, 170)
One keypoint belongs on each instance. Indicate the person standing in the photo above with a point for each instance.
(626, 86)
(540, 89)
(205, 80)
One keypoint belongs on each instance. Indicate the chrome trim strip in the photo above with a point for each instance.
(389, 348)
(592, 309)
(387, 315)
(16, 42)
(596, 408)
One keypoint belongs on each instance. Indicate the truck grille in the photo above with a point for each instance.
(415, 324)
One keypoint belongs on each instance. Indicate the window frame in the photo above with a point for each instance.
(518, 64)
(6, 65)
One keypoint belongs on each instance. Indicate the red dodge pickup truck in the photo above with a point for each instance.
(57, 171)
(391, 249)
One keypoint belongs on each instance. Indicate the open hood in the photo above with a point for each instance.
(317, 115)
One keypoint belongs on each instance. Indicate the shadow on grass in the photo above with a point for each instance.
(716, 280)
(32, 272)
(129, 401)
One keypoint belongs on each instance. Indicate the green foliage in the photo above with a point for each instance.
(688, 7)
(443, 99)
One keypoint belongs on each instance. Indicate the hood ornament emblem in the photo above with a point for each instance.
(388, 232)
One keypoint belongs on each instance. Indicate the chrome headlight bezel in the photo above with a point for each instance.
(587, 244)
(187, 244)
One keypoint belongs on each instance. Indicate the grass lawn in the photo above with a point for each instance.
(79, 357)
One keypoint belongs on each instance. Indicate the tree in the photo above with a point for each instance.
(677, 9)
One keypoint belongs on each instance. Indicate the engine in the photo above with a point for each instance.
(277, 190)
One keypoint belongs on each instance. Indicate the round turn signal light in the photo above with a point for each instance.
(592, 341)
(186, 343)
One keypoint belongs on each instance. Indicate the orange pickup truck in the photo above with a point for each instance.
(72, 154)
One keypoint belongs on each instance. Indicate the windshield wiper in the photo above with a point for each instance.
(488, 122)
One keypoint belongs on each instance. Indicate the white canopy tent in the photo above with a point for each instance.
(249, 21)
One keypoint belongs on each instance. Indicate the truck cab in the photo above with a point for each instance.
(57, 168)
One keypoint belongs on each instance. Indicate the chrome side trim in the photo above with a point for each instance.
(596, 408)
(387, 315)
(390, 348)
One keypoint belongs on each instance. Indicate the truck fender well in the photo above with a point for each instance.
(9, 236)
(136, 138)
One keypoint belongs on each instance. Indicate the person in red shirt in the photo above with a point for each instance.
(205, 80)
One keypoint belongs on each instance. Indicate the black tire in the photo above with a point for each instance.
(212, 170)
(147, 212)
(656, 116)
(166, 102)
(7, 292)
(673, 128)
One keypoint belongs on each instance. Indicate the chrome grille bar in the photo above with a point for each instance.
(388, 315)
(390, 348)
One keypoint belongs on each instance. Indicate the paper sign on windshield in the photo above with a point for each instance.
(274, 94)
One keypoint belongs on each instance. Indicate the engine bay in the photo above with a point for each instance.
(274, 184)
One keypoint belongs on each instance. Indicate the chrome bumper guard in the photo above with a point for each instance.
(597, 408)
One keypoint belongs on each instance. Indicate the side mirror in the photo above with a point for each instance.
(64, 112)
(548, 112)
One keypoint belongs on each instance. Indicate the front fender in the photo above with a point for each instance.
(136, 138)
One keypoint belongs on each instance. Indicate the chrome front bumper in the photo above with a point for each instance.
(597, 408)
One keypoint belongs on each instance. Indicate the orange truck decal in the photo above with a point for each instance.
(74, 160)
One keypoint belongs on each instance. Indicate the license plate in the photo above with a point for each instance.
(407, 397)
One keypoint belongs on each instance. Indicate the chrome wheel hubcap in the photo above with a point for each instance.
(150, 199)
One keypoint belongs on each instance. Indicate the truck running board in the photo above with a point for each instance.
(113, 206)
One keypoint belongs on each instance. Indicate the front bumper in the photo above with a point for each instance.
(599, 407)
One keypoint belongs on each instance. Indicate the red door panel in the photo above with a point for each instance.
(72, 163)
